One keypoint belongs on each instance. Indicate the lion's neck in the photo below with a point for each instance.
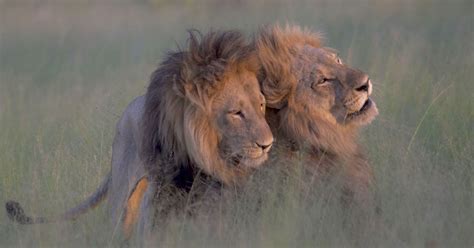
(297, 133)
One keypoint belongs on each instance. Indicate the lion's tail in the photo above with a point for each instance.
(16, 213)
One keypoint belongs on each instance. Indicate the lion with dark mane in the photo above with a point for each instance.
(201, 120)
(316, 104)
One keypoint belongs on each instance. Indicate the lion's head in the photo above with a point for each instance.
(318, 98)
(204, 108)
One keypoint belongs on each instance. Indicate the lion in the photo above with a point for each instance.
(202, 119)
(316, 104)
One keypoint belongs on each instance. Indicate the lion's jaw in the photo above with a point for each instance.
(316, 130)
(365, 114)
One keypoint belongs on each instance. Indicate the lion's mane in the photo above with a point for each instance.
(277, 48)
(177, 133)
(328, 146)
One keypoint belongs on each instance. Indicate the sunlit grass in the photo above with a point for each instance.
(67, 71)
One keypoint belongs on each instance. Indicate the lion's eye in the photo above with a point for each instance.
(262, 107)
(321, 82)
(237, 114)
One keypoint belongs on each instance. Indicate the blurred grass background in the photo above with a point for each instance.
(69, 68)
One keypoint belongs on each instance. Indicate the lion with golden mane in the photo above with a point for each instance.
(201, 122)
(316, 104)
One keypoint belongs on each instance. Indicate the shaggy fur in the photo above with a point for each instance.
(176, 131)
(277, 49)
(313, 103)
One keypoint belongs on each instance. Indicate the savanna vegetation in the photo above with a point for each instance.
(69, 68)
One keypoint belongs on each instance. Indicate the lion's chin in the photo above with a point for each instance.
(250, 162)
(365, 115)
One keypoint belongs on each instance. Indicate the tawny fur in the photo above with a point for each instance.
(298, 123)
(176, 129)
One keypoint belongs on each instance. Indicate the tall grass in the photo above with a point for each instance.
(67, 70)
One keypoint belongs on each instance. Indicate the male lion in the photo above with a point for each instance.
(316, 104)
(201, 119)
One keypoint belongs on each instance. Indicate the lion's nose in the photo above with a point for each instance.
(364, 87)
(266, 146)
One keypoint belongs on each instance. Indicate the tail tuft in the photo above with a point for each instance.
(16, 213)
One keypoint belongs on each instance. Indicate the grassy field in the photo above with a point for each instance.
(68, 70)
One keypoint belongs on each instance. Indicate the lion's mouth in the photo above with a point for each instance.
(367, 104)
(364, 115)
